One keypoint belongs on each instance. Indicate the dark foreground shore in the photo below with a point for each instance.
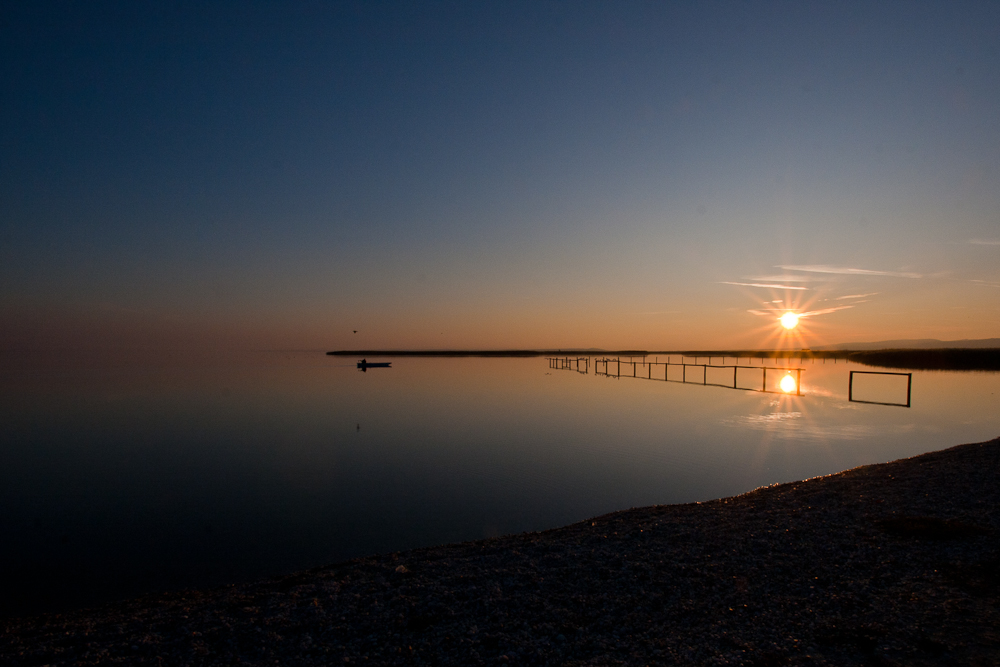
(891, 564)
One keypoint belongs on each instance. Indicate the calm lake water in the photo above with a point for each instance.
(131, 475)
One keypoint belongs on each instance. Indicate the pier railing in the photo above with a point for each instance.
(570, 363)
(612, 367)
(602, 366)
(909, 388)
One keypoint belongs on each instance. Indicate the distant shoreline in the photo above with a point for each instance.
(959, 359)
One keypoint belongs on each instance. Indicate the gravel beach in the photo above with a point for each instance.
(890, 564)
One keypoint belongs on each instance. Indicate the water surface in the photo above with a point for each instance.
(130, 475)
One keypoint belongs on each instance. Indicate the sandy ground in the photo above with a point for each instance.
(890, 564)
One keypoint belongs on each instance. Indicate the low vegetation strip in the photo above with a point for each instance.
(955, 359)
(478, 353)
(892, 564)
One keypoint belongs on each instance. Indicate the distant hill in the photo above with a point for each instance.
(917, 343)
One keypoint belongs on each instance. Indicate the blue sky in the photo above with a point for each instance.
(497, 174)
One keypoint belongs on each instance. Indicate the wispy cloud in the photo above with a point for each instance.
(780, 279)
(844, 270)
(984, 241)
(824, 311)
(854, 296)
(767, 310)
(771, 285)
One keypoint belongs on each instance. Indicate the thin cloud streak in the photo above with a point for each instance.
(825, 311)
(854, 296)
(844, 270)
(782, 278)
(984, 241)
(771, 285)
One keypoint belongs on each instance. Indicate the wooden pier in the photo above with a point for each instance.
(570, 363)
(909, 387)
(602, 366)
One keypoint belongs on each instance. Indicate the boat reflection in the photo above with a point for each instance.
(364, 364)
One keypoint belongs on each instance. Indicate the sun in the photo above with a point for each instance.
(787, 384)
(789, 320)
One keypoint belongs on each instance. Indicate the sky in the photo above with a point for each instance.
(497, 174)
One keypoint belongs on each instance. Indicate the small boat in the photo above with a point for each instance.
(364, 363)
